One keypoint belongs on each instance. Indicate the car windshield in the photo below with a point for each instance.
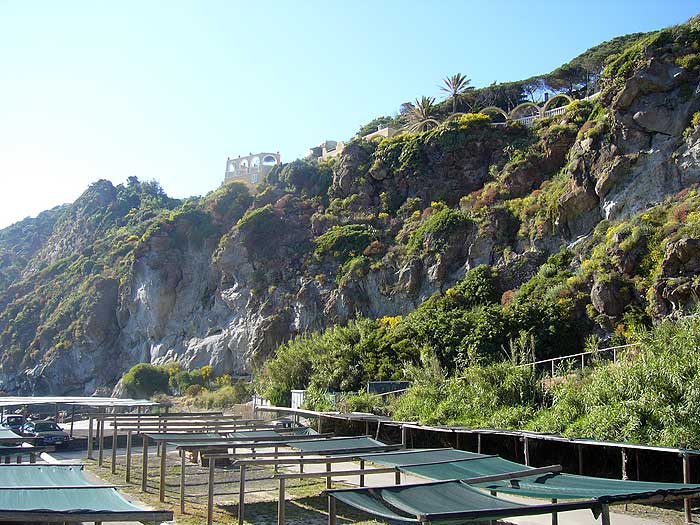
(13, 420)
(46, 426)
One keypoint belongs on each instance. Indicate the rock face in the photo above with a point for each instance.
(91, 289)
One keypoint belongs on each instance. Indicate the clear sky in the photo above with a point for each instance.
(168, 89)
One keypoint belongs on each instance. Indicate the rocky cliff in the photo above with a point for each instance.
(126, 274)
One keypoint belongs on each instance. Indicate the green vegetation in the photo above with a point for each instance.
(342, 242)
(650, 396)
(144, 380)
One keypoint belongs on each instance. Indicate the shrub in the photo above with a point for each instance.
(193, 390)
(144, 380)
(343, 242)
(434, 234)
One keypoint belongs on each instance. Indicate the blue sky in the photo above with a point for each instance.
(167, 90)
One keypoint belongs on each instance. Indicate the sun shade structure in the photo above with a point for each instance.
(42, 475)
(339, 445)
(444, 502)
(8, 436)
(453, 464)
(61, 493)
(304, 431)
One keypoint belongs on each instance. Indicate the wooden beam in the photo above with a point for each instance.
(241, 496)
(89, 443)
(101, 435)
(686, 479)
(128, 456)
(280, 503)
(115, 441)
(183, 467)
(163, 466)
(144, 465)
(605, 515)
(331, 511)
(210, 493)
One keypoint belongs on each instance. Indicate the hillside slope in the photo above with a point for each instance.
(126, 274)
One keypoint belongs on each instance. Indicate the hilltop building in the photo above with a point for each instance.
(252, 169)
(330, 148)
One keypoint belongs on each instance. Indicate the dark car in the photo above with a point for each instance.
(13, 421)
(47, 432)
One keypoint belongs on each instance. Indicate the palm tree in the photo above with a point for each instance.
(455, 86)
(421, 116)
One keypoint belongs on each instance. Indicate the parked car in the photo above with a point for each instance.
(47, 432)
(13, 422)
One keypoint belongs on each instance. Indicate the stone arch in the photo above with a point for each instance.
(494, 109)
(556, 97)
(514, 111)
(269, 160)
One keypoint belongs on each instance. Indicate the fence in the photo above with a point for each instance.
(552, 363)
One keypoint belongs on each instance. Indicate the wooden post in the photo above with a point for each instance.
(362, 476)
(301, 464)
(555, 516)
(404, 440)
(100, 455)
(163, 460)
(686, 479)
(624, 463)
(241, 496)
(183, 465)
(605, 515)
(280, 504)
(72, 419)
(210, 492)
(331, 511)
(128, 456)
(320, 423)
(276, 466)
(32, 457)
(526, 450)
(138, 419)
(329, 480)
(478, 443)
(114, 444)
(144, 464)
(89, 443)
(580, 460)
(366, 427)
(397, 477)
(457, 440)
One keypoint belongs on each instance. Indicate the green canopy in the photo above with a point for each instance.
(8, 435)
(467, 465)
(338, 445)
(35, 475)
(180, 436)
(443, 502)
(40, 493)
(60, 499)
(303, 431)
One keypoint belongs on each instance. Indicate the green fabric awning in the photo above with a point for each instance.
(272, 433)
(8, 435)
(338, 445)
(444, 502)
(180, 436)
(468, 465)
(34, 475)
(60, 499)
(61, 493)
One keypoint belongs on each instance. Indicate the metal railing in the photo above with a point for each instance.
(581, 355)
